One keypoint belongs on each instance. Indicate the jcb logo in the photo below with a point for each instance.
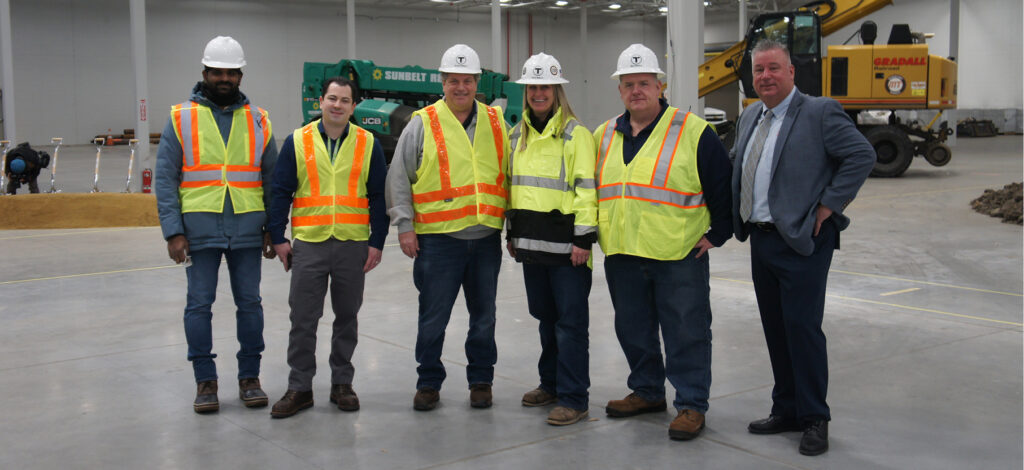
(371, 121)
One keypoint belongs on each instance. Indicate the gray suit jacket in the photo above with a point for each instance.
(820, 157)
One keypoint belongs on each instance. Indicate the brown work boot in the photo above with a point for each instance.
(538, 397)
(562, 416)
(687, 425)
(292, 402)
(480, 395)
(426, 399)
(206, 397)
(251, 394)
(344, 397)
(633, 405)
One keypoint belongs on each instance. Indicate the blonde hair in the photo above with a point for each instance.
(561, 102)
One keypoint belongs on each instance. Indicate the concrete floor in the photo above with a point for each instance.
(923, 318)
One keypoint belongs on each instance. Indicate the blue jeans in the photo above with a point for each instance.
(673, 295)
(445, 264)
(558, 297)
(244, 269)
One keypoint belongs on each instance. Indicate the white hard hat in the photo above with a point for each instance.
(637, 58)
(223, 52)
(460, 58)
(542, 69)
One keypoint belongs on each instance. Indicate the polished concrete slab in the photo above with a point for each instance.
(923, 318)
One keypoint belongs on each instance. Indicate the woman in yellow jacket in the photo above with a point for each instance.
(552, 224)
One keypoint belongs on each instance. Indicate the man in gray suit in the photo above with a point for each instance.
(798, 162)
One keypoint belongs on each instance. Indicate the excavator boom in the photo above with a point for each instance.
(723, 69)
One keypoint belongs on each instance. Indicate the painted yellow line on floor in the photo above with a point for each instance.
(908, 307)
(927, 283)
(929, 310)
(79, 232)
(920, 193)
(70, 276)
(896, 292)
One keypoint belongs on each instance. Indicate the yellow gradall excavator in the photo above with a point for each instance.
(871, 81)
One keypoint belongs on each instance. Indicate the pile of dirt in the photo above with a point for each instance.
(77, 210)
(1003, 203)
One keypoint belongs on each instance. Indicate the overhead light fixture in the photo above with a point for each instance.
(707, 3)
(614, 6)
(663, 9)
(561, 3)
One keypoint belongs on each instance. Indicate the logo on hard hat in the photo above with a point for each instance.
(636, 60)
(554, 70)
(460, 59)
(537, 71)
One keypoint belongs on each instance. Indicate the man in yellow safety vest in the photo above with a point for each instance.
(331, 175)
(447, 193)
(663, 182)
(214, 163)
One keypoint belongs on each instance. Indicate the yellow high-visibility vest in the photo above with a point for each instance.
(553, 170)
(461, 184)
(210, 169)
(654, 206)
(331, 199)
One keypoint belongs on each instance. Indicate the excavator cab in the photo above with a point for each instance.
(800, 32)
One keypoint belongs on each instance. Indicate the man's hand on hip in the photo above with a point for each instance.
(177, 248)
(410, 245)
(820, 216)
(284, 253)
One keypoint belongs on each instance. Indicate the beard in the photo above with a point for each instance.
(212, 91)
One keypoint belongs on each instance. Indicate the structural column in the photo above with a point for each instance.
(582, 106)
(685, 41)
(741, 34)
(137, 11)
(8, 71)
(496, 36)
(350, 18)
(954, 53)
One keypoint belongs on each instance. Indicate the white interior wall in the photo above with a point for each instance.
(73, 69)
(73, 73)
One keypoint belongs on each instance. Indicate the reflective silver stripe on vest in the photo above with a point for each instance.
(204, 175)
(541, 245)
(258, 135)
(540, 182)
(238, 176)
(513, 140)
(606, 142)
(606, 192)
(186, 133)
(585, 183)
(581, 230)
(668, 147)
(664, 195)
(567, 132)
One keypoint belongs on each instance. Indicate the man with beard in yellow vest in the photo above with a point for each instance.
(447, 193)
(213, 170)
(331, 174)
(663, 202)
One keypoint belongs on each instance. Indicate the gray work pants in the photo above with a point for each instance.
(312, 264)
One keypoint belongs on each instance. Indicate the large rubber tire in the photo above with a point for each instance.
(893, 150)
